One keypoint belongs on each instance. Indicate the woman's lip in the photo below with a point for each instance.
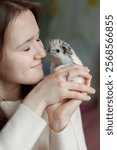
(38, 65)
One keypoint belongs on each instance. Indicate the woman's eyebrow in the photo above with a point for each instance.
(28, 40)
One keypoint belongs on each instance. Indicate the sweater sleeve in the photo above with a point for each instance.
(22, 130)
(72, 137)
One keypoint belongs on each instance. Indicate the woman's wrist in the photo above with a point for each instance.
(58, 126)
(37, 107)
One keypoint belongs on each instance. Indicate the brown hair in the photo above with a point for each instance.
(9, 9)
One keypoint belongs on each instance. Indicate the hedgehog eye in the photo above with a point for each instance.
(57, 50)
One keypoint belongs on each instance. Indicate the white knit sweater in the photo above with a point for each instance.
(27, 131)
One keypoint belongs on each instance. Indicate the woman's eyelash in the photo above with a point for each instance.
(27, 49)
(38, 39)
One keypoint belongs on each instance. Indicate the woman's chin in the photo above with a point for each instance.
(34, 80)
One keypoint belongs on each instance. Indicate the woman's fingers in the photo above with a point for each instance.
(88, 82)
(79, 72)
(79, 96)
(66, 68)
(73, 72)
(80, 87)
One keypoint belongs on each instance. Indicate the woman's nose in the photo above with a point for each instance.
(40, 51)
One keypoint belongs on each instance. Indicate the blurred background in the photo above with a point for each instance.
(78, 23)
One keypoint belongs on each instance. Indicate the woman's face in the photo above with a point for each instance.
(23, 51)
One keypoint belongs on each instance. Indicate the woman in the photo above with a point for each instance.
(34, 113)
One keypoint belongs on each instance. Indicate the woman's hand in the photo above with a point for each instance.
(59, 114)
(54, 88)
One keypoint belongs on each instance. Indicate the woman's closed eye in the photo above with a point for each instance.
(27, 49)
(38, 39)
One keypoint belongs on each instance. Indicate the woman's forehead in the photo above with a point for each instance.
(22, 27)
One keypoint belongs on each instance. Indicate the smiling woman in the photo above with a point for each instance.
(22, 43)
(39, 118)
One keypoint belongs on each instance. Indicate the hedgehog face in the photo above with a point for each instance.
(60, 50)
(57, 52)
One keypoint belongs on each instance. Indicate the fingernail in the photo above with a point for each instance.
(87, 69)
(93, 91)
(88, 97)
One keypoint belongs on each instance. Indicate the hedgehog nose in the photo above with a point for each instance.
(48, 50)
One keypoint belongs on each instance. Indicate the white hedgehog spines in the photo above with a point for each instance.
(55, 42)
(63, 52)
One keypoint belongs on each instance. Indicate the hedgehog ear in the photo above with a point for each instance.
(64, 49)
